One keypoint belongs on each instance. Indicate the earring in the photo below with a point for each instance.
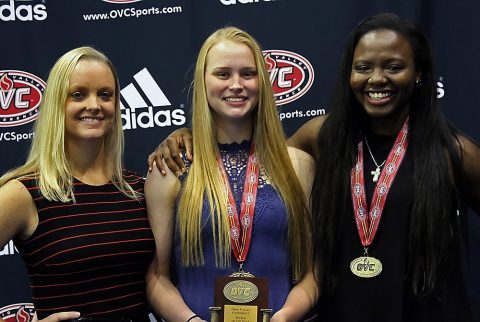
(418, 82)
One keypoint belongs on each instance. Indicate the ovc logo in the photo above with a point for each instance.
(20, 312)
(291, 75)
(20, 97)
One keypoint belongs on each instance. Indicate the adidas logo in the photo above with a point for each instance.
(9, 249)
(134, 114)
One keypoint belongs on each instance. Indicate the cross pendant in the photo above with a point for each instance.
(375, 174)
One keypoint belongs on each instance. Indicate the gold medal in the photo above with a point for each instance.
(367, 219)
(366, 266)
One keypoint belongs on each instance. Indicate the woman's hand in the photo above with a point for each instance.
(169, 150)
(279, 316)
(56, 317)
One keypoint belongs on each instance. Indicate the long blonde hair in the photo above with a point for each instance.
(204, 178)
(47, 161)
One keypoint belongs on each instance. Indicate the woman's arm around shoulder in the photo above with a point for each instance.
(304, 166)
(169, 150)
(160, 194)
(470, 172)
(305, 138)
(18, 214)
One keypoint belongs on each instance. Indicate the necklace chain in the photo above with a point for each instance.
(371, 154)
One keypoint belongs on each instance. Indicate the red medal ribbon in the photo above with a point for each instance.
(368, 220)
(240, 237)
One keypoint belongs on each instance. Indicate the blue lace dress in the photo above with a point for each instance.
(268, 255)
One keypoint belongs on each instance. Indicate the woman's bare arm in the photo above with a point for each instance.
(19, 218)
(303, 296)
(181, 139)
(160, 193)
(470, 172)
(305, 138)
(18, 214)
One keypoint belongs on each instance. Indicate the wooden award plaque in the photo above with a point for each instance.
(240, 299)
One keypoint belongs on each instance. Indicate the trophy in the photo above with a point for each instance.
(240, 298)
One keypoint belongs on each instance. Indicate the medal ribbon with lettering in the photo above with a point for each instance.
(240, 236)
(368, 220)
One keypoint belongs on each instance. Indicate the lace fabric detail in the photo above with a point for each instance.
(235, 160)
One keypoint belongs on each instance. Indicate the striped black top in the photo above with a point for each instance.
(90, 256)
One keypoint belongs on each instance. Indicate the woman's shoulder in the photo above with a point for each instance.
(16, 186)
(27, 181)
(468, 150)
(17, 209)
(470, 170)
(297, 155)
(466, 144)
(303, 163)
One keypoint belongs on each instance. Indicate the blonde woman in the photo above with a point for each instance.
(235, 121)
(76, 217)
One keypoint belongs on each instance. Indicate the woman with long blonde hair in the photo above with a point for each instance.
(75, 215)
(195, 220)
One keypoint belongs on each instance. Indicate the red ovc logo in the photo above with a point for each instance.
(291, 75)
(20, 97)
(20, 312)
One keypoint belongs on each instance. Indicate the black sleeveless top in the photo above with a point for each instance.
(389, 297)
(90, 255)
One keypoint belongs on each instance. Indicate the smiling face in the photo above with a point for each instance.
(90, 104)
(231, 82)
(383, 75)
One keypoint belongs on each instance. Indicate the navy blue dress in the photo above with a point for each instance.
(268, 255)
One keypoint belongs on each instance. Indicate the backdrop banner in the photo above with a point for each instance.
(154, 43)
